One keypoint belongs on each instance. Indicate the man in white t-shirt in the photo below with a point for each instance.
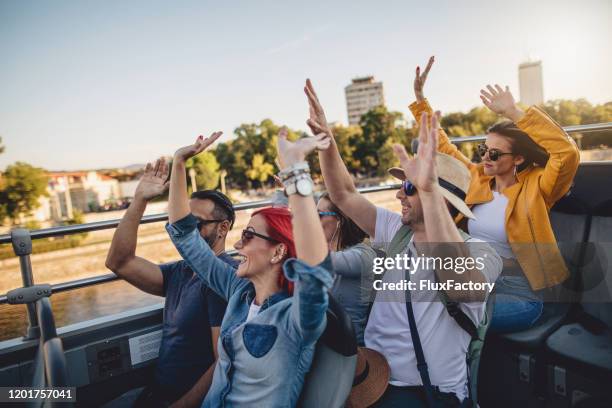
(434, 187)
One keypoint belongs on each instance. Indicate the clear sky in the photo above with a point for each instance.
(90, 84)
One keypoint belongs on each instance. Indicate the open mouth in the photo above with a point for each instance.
(241, 258)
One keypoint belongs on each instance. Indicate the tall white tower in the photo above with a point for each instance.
(530, 83)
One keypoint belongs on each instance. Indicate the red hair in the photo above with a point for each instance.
(280, 229)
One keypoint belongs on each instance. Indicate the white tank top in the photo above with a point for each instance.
(489, 224)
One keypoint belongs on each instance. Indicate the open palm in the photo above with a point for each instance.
(317, 120)
(290, 153)
(422, 171)
(497, 99)
(198, 147)
(154, 181)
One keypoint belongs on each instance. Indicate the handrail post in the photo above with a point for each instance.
(22, 245)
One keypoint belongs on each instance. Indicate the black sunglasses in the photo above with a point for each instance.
(248, 235)
(202, 222)
(409, 188)
(494, 154)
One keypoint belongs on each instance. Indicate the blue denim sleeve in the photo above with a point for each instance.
(310, 299)
(217, 274)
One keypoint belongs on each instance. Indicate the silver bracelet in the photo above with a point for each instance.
(296, 168)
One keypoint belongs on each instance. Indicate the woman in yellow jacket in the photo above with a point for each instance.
(528, 164)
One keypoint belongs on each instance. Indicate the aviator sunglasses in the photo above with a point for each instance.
(494, 154)
(248, 235)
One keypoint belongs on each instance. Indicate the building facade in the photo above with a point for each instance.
(362, 95)
(530, 83)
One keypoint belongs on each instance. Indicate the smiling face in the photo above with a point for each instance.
(257, 255)
(412, 211)
(330, 223)
(505, 163)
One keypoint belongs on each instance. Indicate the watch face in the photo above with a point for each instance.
(304, 187)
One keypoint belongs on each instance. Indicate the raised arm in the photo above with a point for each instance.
(178, 202)
(444, 239)
(564, 156)
(182, 227)
(422, 106)
(338, 180)
(312, 269)
(121, 259)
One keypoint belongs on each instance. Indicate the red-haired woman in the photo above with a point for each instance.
(270, 327)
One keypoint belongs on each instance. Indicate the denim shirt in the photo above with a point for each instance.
(262, 362)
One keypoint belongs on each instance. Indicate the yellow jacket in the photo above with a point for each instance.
(530, 234)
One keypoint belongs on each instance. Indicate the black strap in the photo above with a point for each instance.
(462, 319)
(452, 188)
(418, 348)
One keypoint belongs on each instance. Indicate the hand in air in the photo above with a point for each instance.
(422, 171)
(317, 120)
(420, 78)
(499, 100)
(290, 153)
(154, 182)
(198, 147)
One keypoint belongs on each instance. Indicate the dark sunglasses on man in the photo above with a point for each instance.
(202, 222)
(409, 188)
(249, 234)
(494, 154)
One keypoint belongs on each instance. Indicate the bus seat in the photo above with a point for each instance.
(521, 354)
(329, 381)
(580, 353)
(569, 221)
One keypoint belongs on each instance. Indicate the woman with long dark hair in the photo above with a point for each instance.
(528, 164)
(276, 303)
(352, 260)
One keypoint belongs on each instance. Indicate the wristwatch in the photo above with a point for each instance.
(301, 185)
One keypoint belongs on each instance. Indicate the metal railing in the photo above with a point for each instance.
(102, 225)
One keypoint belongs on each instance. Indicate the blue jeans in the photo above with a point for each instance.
(517, 307)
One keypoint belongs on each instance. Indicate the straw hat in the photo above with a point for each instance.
(454, 179)
(372, 375)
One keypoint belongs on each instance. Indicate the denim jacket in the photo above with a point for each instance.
(262, 362)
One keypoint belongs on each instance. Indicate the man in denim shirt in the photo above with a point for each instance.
(192, 312)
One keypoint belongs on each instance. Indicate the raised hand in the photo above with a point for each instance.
(501, 101)
(317, 120)
(290, 153)
(422, 171)
(154, 182)
(199, 146)
(420, 78)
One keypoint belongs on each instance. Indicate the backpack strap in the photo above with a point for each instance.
(418, 350)
(400, 241)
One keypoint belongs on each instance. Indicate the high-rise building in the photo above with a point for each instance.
(530, 83)
(362, 95)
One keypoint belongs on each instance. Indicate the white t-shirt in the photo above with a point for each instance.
(444, 342)
(489, 224)
(253, 310)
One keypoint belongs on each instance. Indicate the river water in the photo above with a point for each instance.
(109, 298)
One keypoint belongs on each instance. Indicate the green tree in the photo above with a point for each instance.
(207, 170)
(22, 186)
(237, 156)
(1, 146)
(378, 126)
(260, 171)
